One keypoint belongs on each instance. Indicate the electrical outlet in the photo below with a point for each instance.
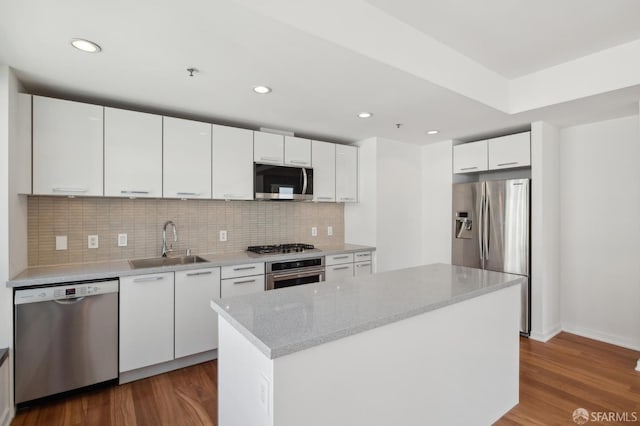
(122, 240)
(223, 235)
(329, 230)
(314, 231)
(61, 242)
(92, 241)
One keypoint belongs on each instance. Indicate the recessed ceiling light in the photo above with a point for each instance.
(433, 132)
(85, 45)
(365, 115)
(263, 90)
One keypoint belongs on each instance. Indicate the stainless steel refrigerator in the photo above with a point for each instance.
(491, 231)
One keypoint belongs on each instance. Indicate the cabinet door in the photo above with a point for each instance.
(323, 159)
(242, 285)
(338, 272)
(361, 268)
(186, 160)
(232, 163)
(297, 151)
(21, 150)
(510, 151)
(268, 148)
(196, 324)
(346, 173)
(470, 157)
(67, 147)
(132, 154)
(146, 320)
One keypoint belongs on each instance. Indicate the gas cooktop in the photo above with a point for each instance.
(281, 248)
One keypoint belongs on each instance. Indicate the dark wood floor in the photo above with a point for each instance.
(555, 378)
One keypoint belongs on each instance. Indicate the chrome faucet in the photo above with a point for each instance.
(164, 237)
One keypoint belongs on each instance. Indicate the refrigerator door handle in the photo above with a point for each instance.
(481, 227)
(486, 226)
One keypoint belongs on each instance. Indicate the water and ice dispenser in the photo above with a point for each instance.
(464, 225)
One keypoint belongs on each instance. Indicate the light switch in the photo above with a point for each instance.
(329, 230)
(314, 231)
(61, 242)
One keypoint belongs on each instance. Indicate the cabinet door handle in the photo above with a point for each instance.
(195, 194)
(193, 274)
(469, 168)
(324, 198)
(78, 190)
(270, 158)
(298, 162)
(245, 268)
(508, 164)
(340, 268)
(363, 264)
(347, 199)
(147, 279)
(244, 282)
(340, 257)
(134, 192)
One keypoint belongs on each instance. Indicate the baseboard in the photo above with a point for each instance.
(154, 370)
(625, 342)
(545, 336)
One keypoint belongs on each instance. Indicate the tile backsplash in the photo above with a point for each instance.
(198, 221)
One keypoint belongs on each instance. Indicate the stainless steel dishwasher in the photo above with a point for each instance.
(66, 337)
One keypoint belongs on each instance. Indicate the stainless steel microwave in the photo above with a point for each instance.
(283, 183)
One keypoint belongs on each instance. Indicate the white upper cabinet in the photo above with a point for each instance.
(268, 148)
(510, 151)
(470, 157)
(21, 151)
(232, 163)
(346, 173)
(186, 162)
(297, 152)
(132, 154)
(323, 155)
(67, 147)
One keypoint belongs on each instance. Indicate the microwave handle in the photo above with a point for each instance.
(304, 181)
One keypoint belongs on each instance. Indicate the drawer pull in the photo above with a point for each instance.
(340, 257)
(508, 164)
(244, 268)
(363, 254)
(194, 194)
(244, 282)
(324, 198)
(134, 192)
(194, 274)
(469, 168)
(340, 268)
(362, 265)
(79, 190)
(147, 279)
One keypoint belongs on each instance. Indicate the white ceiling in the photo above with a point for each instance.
(319, 82)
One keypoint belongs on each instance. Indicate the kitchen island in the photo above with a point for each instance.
(435, 344)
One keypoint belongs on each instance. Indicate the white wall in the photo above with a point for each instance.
(389, 214)
(399, 205)
(600, 232)
(545, 231)
(437, 178)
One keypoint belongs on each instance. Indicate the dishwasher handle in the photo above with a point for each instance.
(71, 301)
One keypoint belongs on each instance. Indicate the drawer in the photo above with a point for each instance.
(240, 286)
(338, 272)
(338, 259)
(362, 256)
(235, 271)
(362, 268)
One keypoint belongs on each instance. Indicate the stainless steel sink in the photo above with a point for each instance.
(155, 262)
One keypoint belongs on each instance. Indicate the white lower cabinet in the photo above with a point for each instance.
(146, 320)
(196, 325)
(242, 285)
(361, 268)
(338, 272)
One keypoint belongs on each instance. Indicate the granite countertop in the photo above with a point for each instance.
(99, 270)
(284, 321)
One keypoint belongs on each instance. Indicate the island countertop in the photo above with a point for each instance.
(285, 321)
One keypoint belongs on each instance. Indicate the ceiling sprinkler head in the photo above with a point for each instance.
(192, 71)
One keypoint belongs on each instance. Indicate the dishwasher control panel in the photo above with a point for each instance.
(64, 291)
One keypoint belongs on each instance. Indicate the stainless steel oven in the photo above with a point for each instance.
(294, 272)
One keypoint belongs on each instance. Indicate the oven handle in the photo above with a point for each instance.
(304, 181)
(300, 274)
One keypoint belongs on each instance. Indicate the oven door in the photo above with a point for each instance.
(291, 278)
